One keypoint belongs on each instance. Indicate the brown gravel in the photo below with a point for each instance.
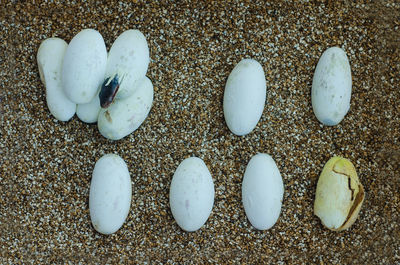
(46, 165)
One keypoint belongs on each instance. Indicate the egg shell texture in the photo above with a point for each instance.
(262, 191)
(331, 87)
(244, 96)
(84, 66)
(89, 112)
(129, 57)
(191, 194)
(49, 59)
(110, 194)
(124, 116)
(339, 194)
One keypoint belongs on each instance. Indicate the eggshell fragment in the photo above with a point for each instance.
(331, 87)
(125, 115)
(110, 194)
(262, 191)
(84, 66)
(129, 58)
(339, 194)
(244, 97)
(191, 195)
(49, 59)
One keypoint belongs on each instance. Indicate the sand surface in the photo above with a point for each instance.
(46, 165)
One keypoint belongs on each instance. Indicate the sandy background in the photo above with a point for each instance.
(46, 165)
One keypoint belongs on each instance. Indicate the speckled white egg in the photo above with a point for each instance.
(49, 59)
(262, 191)
(124, 116)
(110, 194)
(84, 66)
(129, 58)
(191, 195)
(244, 97)
(331, 87)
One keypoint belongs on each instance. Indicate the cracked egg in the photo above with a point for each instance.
(339, 194)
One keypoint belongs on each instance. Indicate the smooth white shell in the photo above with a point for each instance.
(262, 191)
(191, 196)
(84, 66)
(89, 112)
(129, 57)
(110, 194)
(331, 87)
(49, 59)
(244, 96)
(124, 116)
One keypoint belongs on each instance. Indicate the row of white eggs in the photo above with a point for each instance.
(112, 89)
(245, 92)
(191, 195)
(77, 75)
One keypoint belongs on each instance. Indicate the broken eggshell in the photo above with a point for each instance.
(339, 194)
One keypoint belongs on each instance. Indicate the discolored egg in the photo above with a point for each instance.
(339, 194)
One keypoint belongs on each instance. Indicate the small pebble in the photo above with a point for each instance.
(244, 96)
(191, 195)
(262, 191)
(331, 87)
(110, 194)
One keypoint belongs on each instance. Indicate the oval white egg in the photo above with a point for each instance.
(110, 194)
(124, 116)
(331, 87)
(84, 66)
(89, 112)
(191, 195)
(244, 96)
(262, 191)
(49, 59)
(129, 58)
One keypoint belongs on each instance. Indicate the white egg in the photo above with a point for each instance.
(89, 112)
(244, 96)
(191, 195)
(110, 194)
(124, 116)
(262, 191)
(331, 87)
(49, 59)
(129, 58)
(84, 66)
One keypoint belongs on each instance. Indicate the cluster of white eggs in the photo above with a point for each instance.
(113, 91)
(110, 89)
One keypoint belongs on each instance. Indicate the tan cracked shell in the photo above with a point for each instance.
(339, 194)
